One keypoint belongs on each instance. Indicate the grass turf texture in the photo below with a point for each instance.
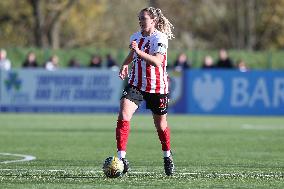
(209, 152)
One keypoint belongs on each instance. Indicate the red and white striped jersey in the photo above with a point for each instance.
(144, 76)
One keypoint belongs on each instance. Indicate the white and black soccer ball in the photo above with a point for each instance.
(113, 167)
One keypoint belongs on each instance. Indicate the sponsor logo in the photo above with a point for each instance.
(13, 82)
(208, 92)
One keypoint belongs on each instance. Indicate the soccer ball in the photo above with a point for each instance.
(113, 167)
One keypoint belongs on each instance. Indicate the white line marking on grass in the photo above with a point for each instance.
(88, 173)
(26, 158)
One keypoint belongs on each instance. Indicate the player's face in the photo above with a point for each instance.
(146, 22)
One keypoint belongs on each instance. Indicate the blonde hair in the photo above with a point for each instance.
(162, 23)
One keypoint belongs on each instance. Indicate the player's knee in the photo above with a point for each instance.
(161, 125)
(124, 115)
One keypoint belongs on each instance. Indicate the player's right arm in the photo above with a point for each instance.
(124, 68)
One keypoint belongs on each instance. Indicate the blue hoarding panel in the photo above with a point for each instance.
(224, 92)
(234, 92)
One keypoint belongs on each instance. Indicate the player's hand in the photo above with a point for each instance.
(123, 72)
(134, 46)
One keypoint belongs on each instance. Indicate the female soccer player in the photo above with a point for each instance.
(148, 80)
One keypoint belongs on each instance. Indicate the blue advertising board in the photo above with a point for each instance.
(216, 92)
(60, 91)
(233, 92)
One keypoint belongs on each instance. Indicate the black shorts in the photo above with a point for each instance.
(157, 103)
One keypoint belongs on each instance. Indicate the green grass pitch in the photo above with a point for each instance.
(209, 151)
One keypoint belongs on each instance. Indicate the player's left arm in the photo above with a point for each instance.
(157, 53)
(154, 60)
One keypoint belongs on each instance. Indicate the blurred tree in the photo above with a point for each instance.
(238, 24)
(84, 24)
(48, 18)
(270, 28)
(118, 22)
(199, 24)
(89, 22)
(153, 3)
(15, 24)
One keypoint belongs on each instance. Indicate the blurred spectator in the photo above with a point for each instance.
(96, 62)
(208, 62)
(242, 66)
(181, 63)
(5, 63)
(52, 63)
(224, 60)
(74, 63)
(111, 63)
(30, 61)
